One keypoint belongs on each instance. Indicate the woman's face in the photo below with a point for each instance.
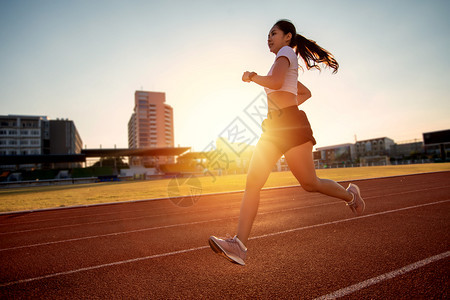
(277, 39)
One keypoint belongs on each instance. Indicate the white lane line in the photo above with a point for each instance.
(205, 247)
(375, 280)
(348, 219)
(70, 217)
(99, 222)
(206, 221)
(408, 192)
(143, 217)
(158, 227)
(118, 219)
(140, 211)
(101, 266)
(112, 234)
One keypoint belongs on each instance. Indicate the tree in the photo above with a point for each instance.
(111, 162)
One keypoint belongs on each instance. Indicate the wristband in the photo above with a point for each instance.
(251, 75)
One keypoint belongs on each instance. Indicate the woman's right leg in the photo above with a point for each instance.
(300, 161)
(264, 157)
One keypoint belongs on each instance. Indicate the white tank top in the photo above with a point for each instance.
(290, 81)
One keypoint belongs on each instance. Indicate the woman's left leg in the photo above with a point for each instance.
(300, 161)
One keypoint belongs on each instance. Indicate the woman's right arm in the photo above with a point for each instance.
(303, 93)
(274, 81)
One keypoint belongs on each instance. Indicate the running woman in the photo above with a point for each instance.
(286, 130)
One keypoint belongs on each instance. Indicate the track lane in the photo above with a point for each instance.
(147, 226)
(297, 194)
(257, 237)
(130, 209)
(193, 236)
(314, 260)
(118, 227)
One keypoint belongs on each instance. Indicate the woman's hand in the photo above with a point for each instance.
(245, 76)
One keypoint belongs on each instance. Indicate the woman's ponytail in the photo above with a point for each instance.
(311, 53)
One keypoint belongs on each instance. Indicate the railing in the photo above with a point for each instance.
(47, 182)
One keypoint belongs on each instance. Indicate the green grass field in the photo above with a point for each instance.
(30, 198)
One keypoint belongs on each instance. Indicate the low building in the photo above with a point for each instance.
(406, 150)
(340, 154)
(373, 147)
(37, 135)
(22, 135)
(437, 144)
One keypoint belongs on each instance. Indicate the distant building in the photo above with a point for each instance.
(132, 132)
(150, 126)
(23, 135)
(343, 153)
(37, 135)
(65, 139)
(406, 150)
(373, 151)
(437, 144)
(373, 147)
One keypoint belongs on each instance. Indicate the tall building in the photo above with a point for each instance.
(64, 137)
(132, 132)
(150, 126)
(37, 135)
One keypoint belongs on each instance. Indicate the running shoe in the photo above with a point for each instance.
(357, 205)
(232, 249)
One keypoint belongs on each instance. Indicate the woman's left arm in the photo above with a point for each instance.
(303, 93)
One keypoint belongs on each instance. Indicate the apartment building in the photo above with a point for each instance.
(150, 126)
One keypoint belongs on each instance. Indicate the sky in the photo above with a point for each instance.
(84, 60)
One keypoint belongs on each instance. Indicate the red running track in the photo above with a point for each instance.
(304, 245)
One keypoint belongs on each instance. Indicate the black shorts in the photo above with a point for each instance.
(287, 128)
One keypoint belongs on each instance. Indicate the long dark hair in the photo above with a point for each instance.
(311, 53)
